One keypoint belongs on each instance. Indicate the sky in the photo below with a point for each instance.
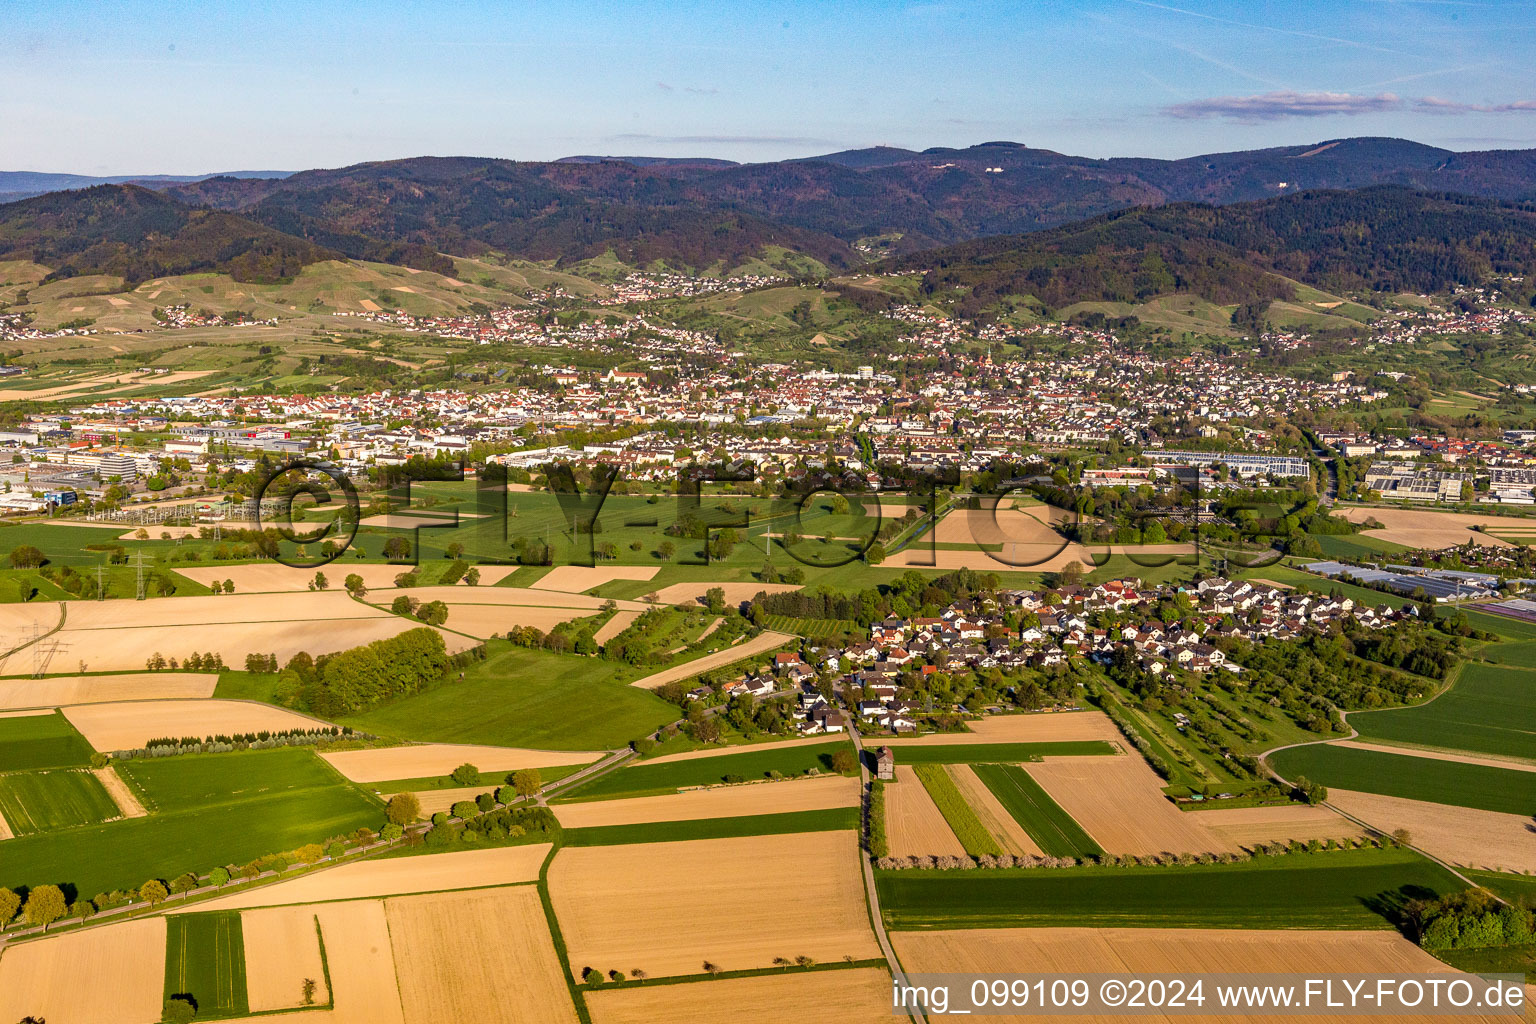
(190, 88)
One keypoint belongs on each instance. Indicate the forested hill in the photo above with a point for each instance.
(1385, 238)
(137, 234)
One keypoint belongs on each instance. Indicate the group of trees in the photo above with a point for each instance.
(363, 677)
(433, 613)
(907, 595)
(1470, 919)
(194, 662)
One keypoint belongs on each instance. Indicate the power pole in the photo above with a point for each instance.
(138, 564)
(101, 587)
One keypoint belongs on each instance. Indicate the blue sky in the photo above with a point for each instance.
(172, 87)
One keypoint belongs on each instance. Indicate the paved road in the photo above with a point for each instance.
(614, 759)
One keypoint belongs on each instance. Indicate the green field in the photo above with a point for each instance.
(1032, 807)
(832, 820)
(1339, 890)
(946, 796)
(43, 801)
(41, 741)
(655, 779)
(1416, 778)
(205, 961)
(1490, 710)
(527, 698)
(997, 753)
(190, 781)
(489, 780)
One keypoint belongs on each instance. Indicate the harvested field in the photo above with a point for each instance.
(282, 948)
(694, 755)
(126, 726)
(859, 996)
(118, 790)
(510, 597)
(1119, 802)
(483, 956)
(29, 713)
(626, 906)
(329, 606)
(1017, 541)
(1440, 755)
(1038, 727)
(765, 641)
(814, 794)
(434, 800)
(994, 817)
(1249, 826)
(432, 872)
(5, 829)
(420, 760)
(1458, 835)
(913, 823)
(1421, 528)
(484, 620)
(61, 690)
(735, 593)
(614, 626)
(108, 975)
(18, 620)
(1127, 951)
(577, 579)
(362, 966)
(271, 577)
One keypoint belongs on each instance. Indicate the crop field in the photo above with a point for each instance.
(1351, 889)
(1033, 727)
(190, 781)
(205, 959)
(282, 950)
(994, 817)
(29, 742)
(832, 819)
(643, 779)
(104, 975)
(57, 691)
(1000, 753)
(382, 764)
(858, 996)
(624, 907)
(527, 698)
(483, 956)
(1047, 824)
(130, 724)
(1118, 801)
(1490, 710)
(760, 644)
(812, 628)
(47, 800)
(967, 827)
(817, 794)
(1415, 778)
(1458, 835)
(1248, 826)
(914, 823)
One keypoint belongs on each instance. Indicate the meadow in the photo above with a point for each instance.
(192, 781)
(1047, 824)
(528, 698)
(653, 779)
(47, 800)
(1490, 710)
(1336, 890)
(29, 742)
(1417, 778)
(205, 962)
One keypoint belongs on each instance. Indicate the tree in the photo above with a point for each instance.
(9, 904)
(25, 556)
(875, 553)
(402, 809)
(178, 1010)
(466, 775)
(666, 549)
(527, 781)
(153, 892)
(309, 991)
(354, 585)
(472, 577)
(397, 549)
(1070, 574)
(715, 598)
(844, 763)
(229, 586)
(45, 905)
(219, 876)
(321, 581)
(1402, 837)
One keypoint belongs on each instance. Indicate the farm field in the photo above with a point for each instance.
(47, 800)
(526, 698)
(814, 794)
(1051, 829)
(274, 577)
(432, 872)
(718, 750)
(1145, 951)
(1005, 830)
(1489, 710)
(190, 781)
(1343, 890)
(361, 963)
(1458, 835)
(1416, 778)
(858, 996)
(1035, 727)
(735, 593)
(57, 691)
(420, 760)
(483, 956)
(30, 742)
(914, 824)
(1018, 541)
(128, 725)
(282, 949)
(107, 975)
(205, 959)
(578, 579)
(1421, 528)
(760, 644)
(646, 779)
(832, 819)
(598, 891)
(1119, 803)
(977, 840)
(1247, 826)
(1000, 753)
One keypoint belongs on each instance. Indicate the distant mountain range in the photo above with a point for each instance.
(16, 185)
(714, 215)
